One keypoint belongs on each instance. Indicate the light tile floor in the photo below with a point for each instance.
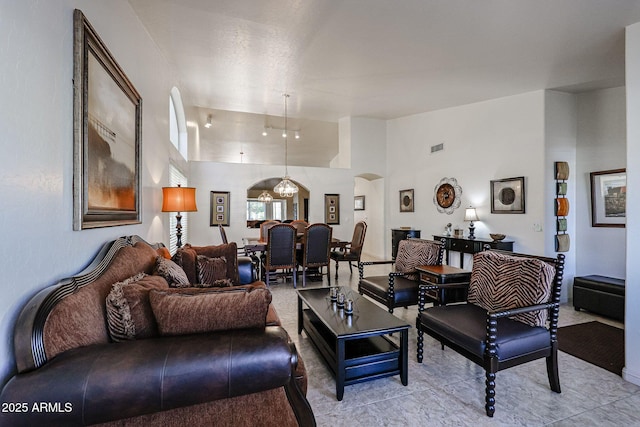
(446, 389)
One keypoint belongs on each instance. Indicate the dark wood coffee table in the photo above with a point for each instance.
(355, 347)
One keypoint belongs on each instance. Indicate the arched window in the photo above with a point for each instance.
(177, 123)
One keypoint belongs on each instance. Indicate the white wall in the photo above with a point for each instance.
(496, 139)
(601, 146)
(631, 372)
(560, 146)
(368, 139)
(236, 178)
(373, 215)
(36, 124)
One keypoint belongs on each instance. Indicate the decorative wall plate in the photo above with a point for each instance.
(446, 195)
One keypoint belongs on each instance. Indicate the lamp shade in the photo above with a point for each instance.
(470, 214)
(179, 199)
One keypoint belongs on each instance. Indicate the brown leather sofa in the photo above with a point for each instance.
(70, 372)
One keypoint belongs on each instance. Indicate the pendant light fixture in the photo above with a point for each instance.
(265, 197)
(286, 187)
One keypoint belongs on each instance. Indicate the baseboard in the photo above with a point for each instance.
(632, 377)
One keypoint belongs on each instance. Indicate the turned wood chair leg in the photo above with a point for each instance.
(420, 345)
(490, 398)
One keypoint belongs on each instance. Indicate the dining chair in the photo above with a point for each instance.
(264, 236)
(281, 250)
(510, 317)
(352, 252)
(316, 247)
(300, 225)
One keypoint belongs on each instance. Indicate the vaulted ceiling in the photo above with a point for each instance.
(380, 58)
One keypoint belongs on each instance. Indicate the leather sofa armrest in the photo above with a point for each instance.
(102, 383)
(247, 270)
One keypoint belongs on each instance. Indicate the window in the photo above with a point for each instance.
(176, 177)
(177, 123)
(259, 211)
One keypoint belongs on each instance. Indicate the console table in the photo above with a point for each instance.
(471, 246)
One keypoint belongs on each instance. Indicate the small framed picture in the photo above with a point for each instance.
(406, 200)
(332, 208)
(507, 196)
(358, 203)
(609, 198)
(219, 208)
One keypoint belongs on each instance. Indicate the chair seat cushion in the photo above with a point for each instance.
(405, 290)
(465, 325)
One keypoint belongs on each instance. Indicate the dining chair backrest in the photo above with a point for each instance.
(281, 246)
(300, 225)
(357, 241)
(317, 245)
(264, 236)
(223, 234)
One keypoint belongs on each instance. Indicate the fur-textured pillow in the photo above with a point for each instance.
(212, 271)
(192, 311)
(414, 253)
(500, 282)
(172, 273)
(129, 314)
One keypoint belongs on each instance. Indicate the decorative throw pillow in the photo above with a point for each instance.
(192, 311)
(164, 252)
(501, 282)
(129, 314)
(212, 271)
(172, 272)
(413, 253)
(229, 251)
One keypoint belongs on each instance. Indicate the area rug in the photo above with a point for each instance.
(594, 342)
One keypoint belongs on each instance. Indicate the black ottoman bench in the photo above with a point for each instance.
(599, 294)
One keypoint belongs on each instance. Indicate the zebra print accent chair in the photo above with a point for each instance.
(400, 287)
(510, 317)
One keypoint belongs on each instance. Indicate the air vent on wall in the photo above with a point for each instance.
(435, 148)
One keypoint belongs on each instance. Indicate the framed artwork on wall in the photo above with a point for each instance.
(219, 208)
(507, 196)
(332, 208)
(406, 200)
(107, 116)
(609, 198)
(358, 203)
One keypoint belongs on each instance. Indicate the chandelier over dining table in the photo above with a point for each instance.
(286, 187)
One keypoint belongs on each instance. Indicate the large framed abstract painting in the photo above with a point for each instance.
(609, 198)
(107, 115)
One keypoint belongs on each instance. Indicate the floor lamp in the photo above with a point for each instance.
(179, 199)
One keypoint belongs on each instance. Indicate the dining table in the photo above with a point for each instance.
(253, 244)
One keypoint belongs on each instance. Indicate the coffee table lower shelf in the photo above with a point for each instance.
(364, 357)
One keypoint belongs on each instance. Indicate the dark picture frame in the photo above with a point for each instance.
(406, 200)
(332, 209)
(107, 135)
(358, 203)
(219, 213)
(508, 196)
(609, 198)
